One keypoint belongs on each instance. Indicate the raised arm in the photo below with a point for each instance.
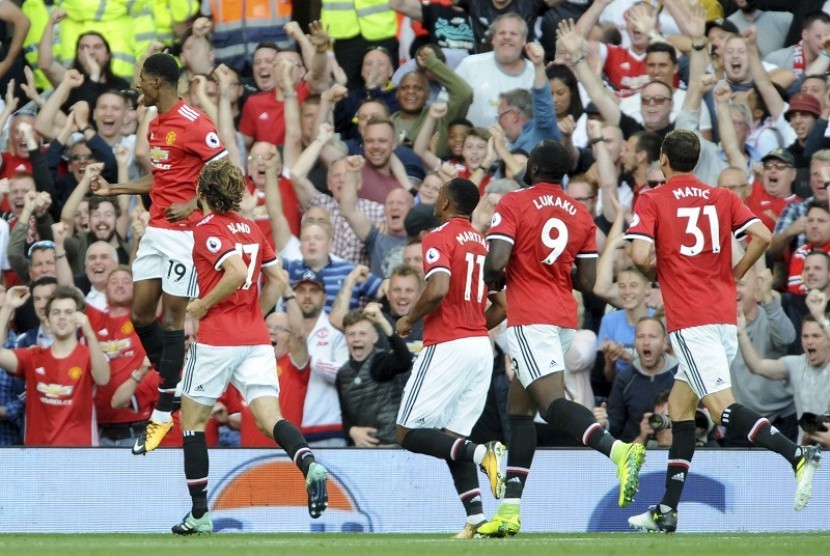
(45, 60)
(698, 58)
(318, 39)
(50, 119)
(409, 8)
(343, 300)
(591, 17)
(775, 104)
(572, 40)
(11, 14)
(358, 221)
(16, 297)
(421, 146)
(60, 232)
(79, 193)
(728, 135)
(224, 122)
(98, 361)
(299, 172)
(605, 286)
(280, 229)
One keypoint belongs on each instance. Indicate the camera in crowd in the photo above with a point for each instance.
(703, 423)
(812, 423)
(659, 422)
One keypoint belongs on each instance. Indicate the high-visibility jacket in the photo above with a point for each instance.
(346, 19)
(168, 12)
(128, 26)
(236, 33)
(38, 15)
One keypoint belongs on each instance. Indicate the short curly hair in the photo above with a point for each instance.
(221, 185)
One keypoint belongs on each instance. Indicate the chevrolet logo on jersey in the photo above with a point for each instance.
(55, 390)
(158, 154)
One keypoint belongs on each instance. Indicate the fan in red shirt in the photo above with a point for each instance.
(447, 391)
(232, 344)
(60, 379)
(818, 239)
(689, 226)
(124, 405)
(536, 236)
(182, 140)
(773, 193)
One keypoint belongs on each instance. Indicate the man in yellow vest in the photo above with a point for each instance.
(355, 26)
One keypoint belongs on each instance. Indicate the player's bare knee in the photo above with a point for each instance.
(400, 433)
(266, 426)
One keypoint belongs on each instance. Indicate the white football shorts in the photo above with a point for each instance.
(537, 350)
(705, 354)
(209, 369)
(167, 255)
(448, 386)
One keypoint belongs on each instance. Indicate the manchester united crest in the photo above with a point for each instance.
(75, 373)
(170, 138)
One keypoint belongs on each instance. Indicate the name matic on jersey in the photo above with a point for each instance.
(683, 192)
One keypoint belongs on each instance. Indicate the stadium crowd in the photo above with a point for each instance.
(347, 124)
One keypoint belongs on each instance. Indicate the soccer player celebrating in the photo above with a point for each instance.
(536, 235)
(447, 390)
(232, 344)
(182, 140)
(690, 224)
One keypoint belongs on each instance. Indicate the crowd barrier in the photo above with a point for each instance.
(108, 490)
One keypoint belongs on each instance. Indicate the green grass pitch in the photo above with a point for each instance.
(610, 544)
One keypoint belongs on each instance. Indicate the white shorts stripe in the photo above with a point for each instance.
(420, 374)
(704, 355)
(449, 389)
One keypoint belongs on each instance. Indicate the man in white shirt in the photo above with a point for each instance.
(499, 71)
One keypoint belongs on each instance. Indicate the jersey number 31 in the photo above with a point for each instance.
(693, 229)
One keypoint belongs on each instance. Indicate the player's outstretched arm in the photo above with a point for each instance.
(761, 237)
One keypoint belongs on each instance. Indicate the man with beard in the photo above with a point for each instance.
(322, 423)
(104, 216)
(380, 175)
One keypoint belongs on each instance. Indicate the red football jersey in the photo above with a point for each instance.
(263, 116)
(182, 141)
(291, 208)
(125, 353)
(691, 225)
(549, 230)
(626, 70)
(59, 405)
(237, 319)
(765, 206)
(458, 249)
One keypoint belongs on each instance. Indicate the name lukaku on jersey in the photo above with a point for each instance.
(684, 192)
(553, 201)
